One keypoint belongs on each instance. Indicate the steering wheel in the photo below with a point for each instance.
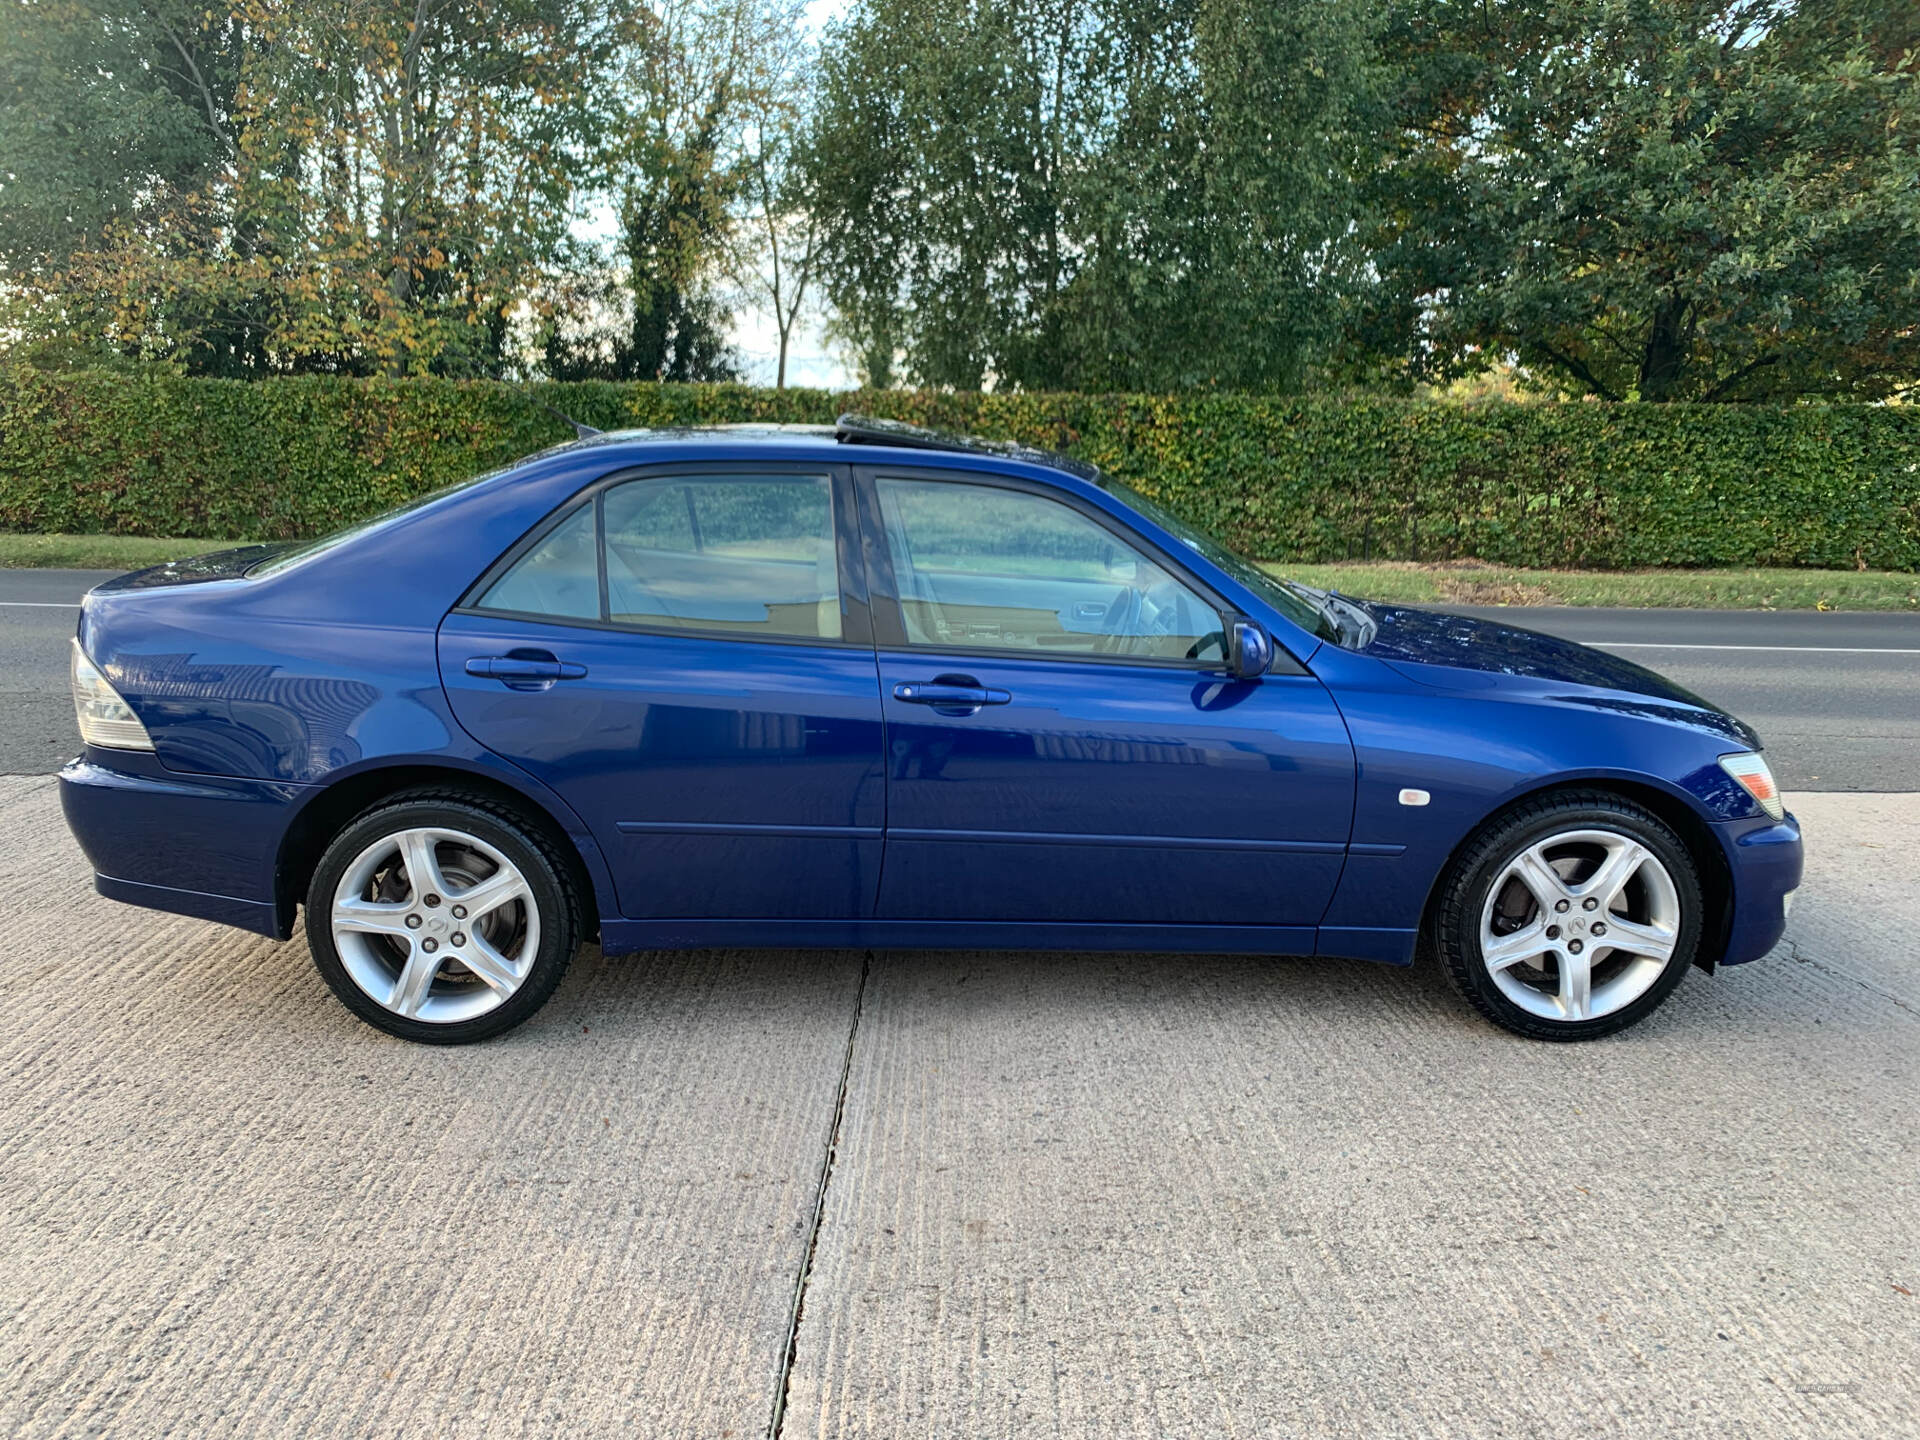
(1171, 619)
(1163, 609)
(1216, 637)
(1117, 630)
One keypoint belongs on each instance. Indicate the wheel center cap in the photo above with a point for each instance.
(436, 926)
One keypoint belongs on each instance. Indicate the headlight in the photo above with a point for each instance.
(1757, 780)
(105, 718)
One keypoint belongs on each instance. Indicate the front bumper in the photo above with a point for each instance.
(1765, 858)
(200, 845)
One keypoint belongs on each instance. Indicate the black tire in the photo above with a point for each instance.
(531, 852)
(1484, 859)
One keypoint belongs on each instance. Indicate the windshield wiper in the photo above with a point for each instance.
(1350, 626)
(1353, 620)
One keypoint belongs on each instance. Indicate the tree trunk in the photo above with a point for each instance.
(1665, 358)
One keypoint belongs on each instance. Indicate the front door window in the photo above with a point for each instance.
(978, 567)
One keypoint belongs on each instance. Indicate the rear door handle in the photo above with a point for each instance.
(945, 693)
(524, 672)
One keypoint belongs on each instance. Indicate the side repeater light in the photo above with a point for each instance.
(1751, 770)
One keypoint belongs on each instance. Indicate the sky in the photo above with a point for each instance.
(809, 360)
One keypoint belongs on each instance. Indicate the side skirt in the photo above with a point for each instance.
(618, 937)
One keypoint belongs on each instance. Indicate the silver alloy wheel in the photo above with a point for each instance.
(435, 925)
(1579, 925)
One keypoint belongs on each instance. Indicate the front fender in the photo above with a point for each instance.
(1476, 751)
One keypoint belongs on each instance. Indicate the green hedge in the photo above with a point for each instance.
(1604, 486)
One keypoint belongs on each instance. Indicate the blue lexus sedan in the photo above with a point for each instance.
(876, 686)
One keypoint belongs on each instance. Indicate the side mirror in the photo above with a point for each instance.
(1249, 649)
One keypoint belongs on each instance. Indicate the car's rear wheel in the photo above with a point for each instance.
(441, 918)
(1572, 917)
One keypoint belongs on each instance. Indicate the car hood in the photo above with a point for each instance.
(219, 565)
(1464, 652)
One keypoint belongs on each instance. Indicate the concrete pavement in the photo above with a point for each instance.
(1107, 1197)
(228, 1208)
(1086, 1196)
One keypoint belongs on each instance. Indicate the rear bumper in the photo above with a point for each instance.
(1766, 859)
(197, 845)
(255, 915)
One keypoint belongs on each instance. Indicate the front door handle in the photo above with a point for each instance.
(949, 693)
(524, 670)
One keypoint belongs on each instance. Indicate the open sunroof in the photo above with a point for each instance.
(852, 429)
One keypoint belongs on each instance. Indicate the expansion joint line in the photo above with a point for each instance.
(798, 1309)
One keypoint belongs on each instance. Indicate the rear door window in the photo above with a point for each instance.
(734, 554)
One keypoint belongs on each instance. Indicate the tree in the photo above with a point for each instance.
(333, 185)
(1663, 199)
(110, 112)
(1139, 194)
(691, 85)
(674, 221)
(102, 105)
(775, 243)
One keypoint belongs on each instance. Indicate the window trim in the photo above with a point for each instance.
(856, 627)
(889, 625)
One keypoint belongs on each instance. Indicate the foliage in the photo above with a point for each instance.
(1090, 193)
(1706, 200)
(1655, 199)
(1538, 484)
(104, 104)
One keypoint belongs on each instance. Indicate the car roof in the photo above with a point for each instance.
(851, 430)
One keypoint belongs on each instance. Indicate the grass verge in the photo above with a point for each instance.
(1469, 583)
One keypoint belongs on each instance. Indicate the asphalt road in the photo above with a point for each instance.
(1836, 697)
(38, 612)
(1084, 1196)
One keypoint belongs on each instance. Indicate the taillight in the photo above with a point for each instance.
(105, 719)
(1756, 779)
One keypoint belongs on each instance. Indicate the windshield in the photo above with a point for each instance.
(284, 559)
(1296, 602)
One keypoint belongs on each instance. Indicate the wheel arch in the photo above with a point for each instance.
(334, 805)
(1669, 806)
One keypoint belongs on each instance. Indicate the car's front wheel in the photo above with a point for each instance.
(1572, 917)
(442, 918)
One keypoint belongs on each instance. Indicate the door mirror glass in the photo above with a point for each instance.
(1249, 649)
